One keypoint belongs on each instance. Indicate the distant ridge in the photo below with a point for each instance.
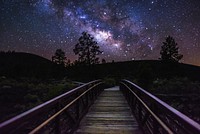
(131, 69)
(20, 64)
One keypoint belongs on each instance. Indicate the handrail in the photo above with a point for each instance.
(59, 112)
(163, 125)
(173, 119)
(54, 105)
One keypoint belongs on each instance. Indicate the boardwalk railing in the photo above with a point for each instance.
(59, 115)
(155, 116)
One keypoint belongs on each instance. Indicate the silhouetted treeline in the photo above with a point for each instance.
(146, 71)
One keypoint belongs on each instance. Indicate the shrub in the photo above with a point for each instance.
(176, 86)
(145, 75)
(30, 98)
(109, 82)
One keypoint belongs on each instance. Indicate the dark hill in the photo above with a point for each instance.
(145, 69)
(18, 64)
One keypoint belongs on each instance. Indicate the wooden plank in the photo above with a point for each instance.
(109, 104)
(108, 130)
(109, 114)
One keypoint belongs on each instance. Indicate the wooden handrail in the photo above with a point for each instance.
(62, 110)
(167, 129)
(165, 110)
(25, 117)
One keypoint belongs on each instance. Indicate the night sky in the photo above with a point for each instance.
(124, 29)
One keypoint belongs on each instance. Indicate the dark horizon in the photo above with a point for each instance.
(100, 60)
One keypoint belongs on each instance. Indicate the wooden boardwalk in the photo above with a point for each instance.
(109, 114)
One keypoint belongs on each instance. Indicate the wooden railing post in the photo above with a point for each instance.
(87, 98)
(155, 127)
(139, 109)
(77, 110)
(155, 123)
(57, 120)
(140, 112)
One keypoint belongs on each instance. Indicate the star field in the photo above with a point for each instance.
(124, 29)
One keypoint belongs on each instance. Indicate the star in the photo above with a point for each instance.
(122, 28)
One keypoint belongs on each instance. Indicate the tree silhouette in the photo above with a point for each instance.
(169, 50)
(68, 62)
(87, 50)
(103, 61)
(59, 57)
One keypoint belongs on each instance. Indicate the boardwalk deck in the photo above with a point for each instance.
(109, 114)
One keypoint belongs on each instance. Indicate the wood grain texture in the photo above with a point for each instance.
(110, 114)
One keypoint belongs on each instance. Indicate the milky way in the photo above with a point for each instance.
(124, 29)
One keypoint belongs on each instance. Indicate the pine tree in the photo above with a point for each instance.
(169, 50)
(103, 61)
(59, 57)
(87, 50)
